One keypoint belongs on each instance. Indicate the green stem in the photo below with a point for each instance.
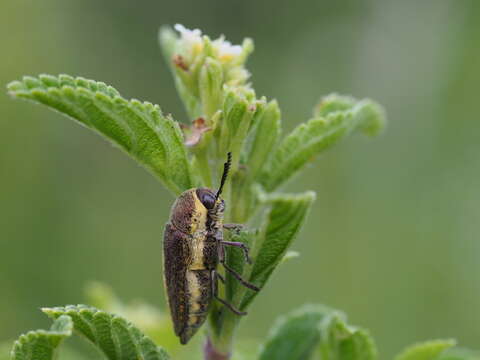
(224, 323)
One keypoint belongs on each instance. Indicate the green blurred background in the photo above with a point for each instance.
(392, 236)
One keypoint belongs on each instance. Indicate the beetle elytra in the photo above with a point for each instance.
(193, 246)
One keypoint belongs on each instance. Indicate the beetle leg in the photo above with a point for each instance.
(221, 252)
(221, 259)
(220, 277)
(239, 277)
(215, 277)
(234, 227)
(240, 245)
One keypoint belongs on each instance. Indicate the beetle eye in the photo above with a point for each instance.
(208, 200)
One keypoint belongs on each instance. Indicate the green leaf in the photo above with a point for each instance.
(295, 336)
(263, 139)
(429, 350)
(239, 108)
(139, 128)
(151, 321)
(332, 103)
(211, 86)
(340, 341)
(371, 115)
(113, 335)
(298, 334)
(236, 260)
(42, 344)
(281, 225)
(333, 120)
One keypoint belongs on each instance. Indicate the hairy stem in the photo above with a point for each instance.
(223, 324)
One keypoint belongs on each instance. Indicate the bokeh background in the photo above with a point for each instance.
(392, 239)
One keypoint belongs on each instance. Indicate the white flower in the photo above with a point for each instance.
(193, 43)
(191, 39)
(193, 48)
(226, 51)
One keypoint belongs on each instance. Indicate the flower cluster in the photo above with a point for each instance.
(206, 70)
(193, 47)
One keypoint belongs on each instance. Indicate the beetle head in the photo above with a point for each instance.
(212, 201)
(207, 198)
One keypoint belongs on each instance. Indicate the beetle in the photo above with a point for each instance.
(193, 247)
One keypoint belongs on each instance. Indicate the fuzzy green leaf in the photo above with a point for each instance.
(137, 127)
(298, 334)
(150, 320)
(429, 350)
(295, 336)
(282, 223)
(42, 344)
(113, 335)
(236, 260)
(333, 120)
(371, 115)
(339, 341)
(211, 86)
(239, 108)
(264, 137)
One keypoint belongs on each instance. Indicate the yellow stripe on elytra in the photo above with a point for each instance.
(199, 216)
(197, 244)
(199, 233)
(195, 293)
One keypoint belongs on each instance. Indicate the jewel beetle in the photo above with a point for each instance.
(193, 247)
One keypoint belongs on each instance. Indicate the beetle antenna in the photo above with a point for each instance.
(226, 168)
